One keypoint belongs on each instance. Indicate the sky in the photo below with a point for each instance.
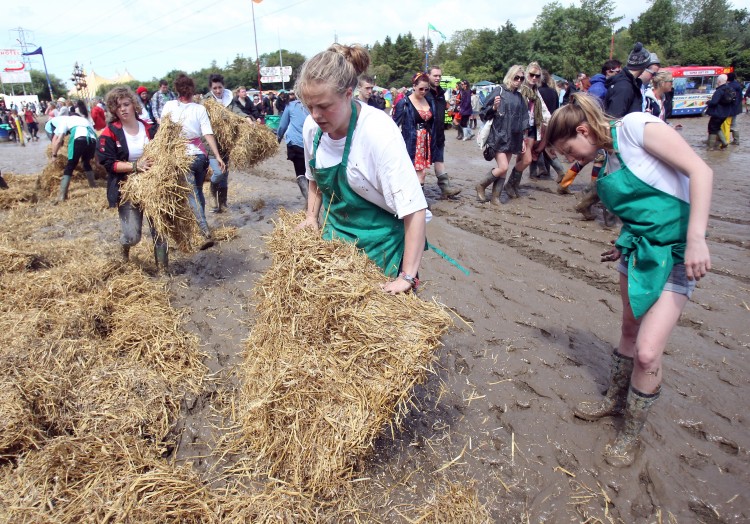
(150, 38)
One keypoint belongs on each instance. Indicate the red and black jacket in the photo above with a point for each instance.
(113, 148)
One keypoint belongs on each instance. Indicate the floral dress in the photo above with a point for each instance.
(423, 153)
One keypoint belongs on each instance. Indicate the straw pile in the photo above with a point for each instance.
(454, 504)
(247, 144)
(21, 190)
(162, 191)
(49, 180)
(331, 361)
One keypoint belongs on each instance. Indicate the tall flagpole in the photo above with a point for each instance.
(257, 58)
(427, 49)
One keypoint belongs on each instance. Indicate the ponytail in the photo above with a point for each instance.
(582, 109)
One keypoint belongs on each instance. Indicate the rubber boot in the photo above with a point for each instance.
(444, 184)
(222, 199)
(91, 178)
(214, 190)
(303, 186)
(712, 139)
(563, 187)
(208, 240)
(736, 137)
(614, 399)
(3, 183)
(497, 189)
(161, 257)
(64, 184)
(723, 139)
(589, 198)
(124, 253)
(621, 451)
(481, 186)
(558, 167)
(514, 182)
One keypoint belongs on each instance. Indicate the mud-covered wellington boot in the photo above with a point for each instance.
(723, 140)
(444, 183)
(208, 240)
(488, 179)
(222, 199)
(161, 257)
(514, 182)
(712, 139)
(303, 184)
(588, 199)
(614, 399)
(91, 178)
(214, 190)
(64, 184)
(3, 183)
(558, 167)
(497, 190)
(124, 253)
(736, 138)
(620, 453)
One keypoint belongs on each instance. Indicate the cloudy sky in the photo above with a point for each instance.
(150, 38)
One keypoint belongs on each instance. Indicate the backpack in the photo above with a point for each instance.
(728, 97)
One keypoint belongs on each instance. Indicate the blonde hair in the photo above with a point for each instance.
(660, 78)
(338, 67)
(514, 70)
(113, 100)
(582, 109)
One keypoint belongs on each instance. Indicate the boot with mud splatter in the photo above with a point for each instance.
(588, 199)
(488, 179)
(620, 453)
(614, 399)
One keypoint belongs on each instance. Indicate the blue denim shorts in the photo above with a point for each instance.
(677, 282)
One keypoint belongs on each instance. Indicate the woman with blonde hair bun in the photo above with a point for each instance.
(661, 190)
(359, 170)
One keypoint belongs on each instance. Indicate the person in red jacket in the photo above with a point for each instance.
(119, 150)
(98, 115)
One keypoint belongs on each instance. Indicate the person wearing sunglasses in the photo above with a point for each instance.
(538, 118)
(510, 118)
(415, 115)
(598, 88)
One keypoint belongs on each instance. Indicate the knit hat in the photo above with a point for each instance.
(141, 89)
(653, 60)
(639, 57)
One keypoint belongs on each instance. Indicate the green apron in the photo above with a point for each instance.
(653, 235)
(90, 135)
(353, 219)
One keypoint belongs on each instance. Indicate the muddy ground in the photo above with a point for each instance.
(540, 318)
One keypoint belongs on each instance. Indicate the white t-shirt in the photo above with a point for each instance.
(646, 167)
(136, 142)
(66, 123)
(226, 97)
(379, 168)
(194, 120)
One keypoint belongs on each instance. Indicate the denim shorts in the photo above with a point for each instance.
(677, 282)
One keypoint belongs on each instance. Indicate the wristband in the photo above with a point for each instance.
(414, 281)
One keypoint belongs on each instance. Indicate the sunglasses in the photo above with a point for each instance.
(614, 70)
(534, 75)
(517, 78)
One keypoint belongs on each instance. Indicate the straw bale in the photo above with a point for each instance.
(21, 190)
(455, 504)
(162, 191)
(247, 144)
(332, 359)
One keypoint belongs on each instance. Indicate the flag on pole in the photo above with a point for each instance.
(433, 28)
(37, 52)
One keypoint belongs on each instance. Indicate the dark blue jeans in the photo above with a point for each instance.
(196, 200)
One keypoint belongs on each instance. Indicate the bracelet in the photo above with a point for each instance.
(414, 281)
